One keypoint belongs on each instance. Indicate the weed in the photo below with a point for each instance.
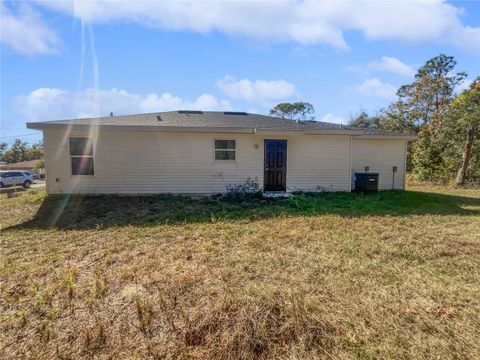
(311, 276)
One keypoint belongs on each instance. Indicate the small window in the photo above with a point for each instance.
(81, 156)
(225, 149)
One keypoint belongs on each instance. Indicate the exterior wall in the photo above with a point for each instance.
(381, 156)
(318, 162)
(155, 162)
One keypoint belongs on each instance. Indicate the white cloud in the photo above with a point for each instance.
(464, 85)
(25, 32)
(53, 103)
(384, 64)
(257, 91)
(304, 22)
(376, 88)
(392, 65)
(330, 118)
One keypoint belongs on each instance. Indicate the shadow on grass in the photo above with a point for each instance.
(84, 212)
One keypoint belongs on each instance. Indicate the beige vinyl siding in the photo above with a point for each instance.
(381, 156)
(318, 163)
(154, 162)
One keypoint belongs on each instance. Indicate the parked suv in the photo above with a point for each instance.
(35, 175)
(12, 178)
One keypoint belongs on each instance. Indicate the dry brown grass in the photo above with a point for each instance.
(296, 284)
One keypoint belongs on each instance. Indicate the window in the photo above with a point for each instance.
(81, 156)
(225, 149)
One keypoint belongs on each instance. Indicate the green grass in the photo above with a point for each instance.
(343, 276)
(77, 212)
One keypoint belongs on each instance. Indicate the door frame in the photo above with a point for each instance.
(265, 178)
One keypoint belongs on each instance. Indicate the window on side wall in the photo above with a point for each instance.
(225, 149)
(81, 156)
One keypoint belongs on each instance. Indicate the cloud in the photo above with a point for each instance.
(257, 91)
(464, 85)
(304, 22)
(376, 88)
(53, 103)
(25, 32)
(384, 64)
(330, 118)
(392, 65)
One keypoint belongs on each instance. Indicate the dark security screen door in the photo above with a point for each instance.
(275, 176)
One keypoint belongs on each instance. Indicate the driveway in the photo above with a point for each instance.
(38, 184)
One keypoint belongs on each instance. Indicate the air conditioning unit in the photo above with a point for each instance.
(366, 182)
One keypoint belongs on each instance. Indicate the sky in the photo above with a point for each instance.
(70, 59)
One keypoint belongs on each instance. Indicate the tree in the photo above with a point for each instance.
(16, 153)
(40, 164)
(364, 120)
(3, 148)
(20, 151)
(462, 128)
(35, 151)
(294, 111)
(429, 95)
(422, 108)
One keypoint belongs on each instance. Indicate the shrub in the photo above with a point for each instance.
(248, 189)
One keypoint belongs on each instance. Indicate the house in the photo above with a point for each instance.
(202, 152)
(30, 166)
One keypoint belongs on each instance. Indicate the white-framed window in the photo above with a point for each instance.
(81, 156)
(225, 149)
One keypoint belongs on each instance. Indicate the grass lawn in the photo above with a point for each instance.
(339, 276)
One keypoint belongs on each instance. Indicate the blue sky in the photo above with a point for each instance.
(74, 59)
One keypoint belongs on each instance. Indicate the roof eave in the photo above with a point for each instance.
(358, 134)
(388, 137)
(46, 125)
(35, 125)
(340, 131)
(198, 129)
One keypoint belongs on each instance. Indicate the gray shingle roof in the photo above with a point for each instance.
(207, 119)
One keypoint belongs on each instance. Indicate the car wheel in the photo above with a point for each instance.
(2, 185)
(27, 184)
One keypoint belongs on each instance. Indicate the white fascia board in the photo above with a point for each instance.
(388, 137)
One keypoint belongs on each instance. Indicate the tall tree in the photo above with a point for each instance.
(363, 120)
(35, 151)
(294, 111)
(462, 128)
(428, 97)
(423, 106)
(20, 151)
(17, 152)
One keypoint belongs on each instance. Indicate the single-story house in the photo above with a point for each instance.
(202, 152)
(30, 166)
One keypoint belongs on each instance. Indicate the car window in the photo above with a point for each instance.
(6, 175)
(17, 174)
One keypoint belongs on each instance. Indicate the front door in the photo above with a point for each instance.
(275, 175)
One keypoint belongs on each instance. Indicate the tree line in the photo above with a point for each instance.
(447, 124)
(20, 151)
